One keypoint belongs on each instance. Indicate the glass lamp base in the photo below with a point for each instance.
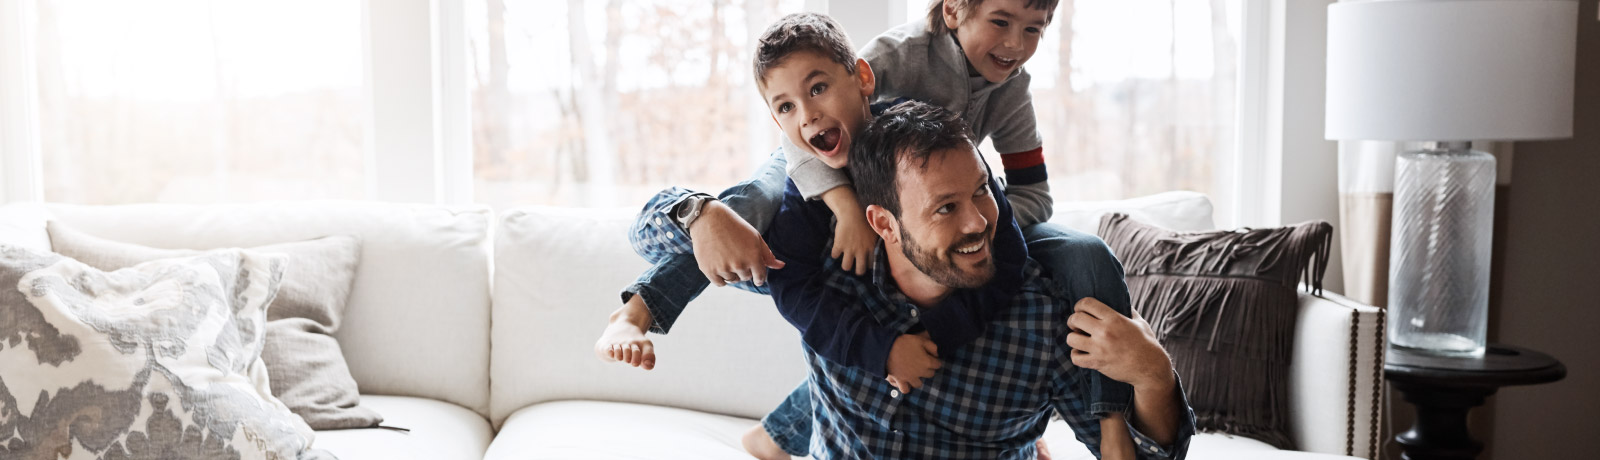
(1439, 260)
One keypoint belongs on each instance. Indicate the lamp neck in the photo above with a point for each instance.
(1450, 146)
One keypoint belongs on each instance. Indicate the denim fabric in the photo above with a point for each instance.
(1064, 252)
(790, 424)
(672, 283)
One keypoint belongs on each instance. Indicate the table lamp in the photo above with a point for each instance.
(1447, 72)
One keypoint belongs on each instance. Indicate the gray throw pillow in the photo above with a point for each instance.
(158, 360)
(307, 368)
(1223, 304)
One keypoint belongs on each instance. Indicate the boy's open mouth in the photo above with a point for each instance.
(826, 141)
(1003, 63)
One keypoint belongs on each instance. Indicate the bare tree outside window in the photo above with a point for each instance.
(200, 100)
(604, 102)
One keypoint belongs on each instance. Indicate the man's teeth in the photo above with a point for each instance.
(970, 249)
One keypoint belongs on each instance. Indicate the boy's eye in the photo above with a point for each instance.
(999, 22)
(785, 107)
(819, 88)
(1033, 30)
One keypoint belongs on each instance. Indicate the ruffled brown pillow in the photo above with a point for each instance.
(1223, 304)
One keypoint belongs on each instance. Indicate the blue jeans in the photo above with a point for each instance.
(1062, 251)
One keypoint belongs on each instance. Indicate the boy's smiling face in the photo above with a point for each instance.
(999, 35)
(819, 104)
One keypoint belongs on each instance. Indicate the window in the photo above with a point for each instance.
(603, 103)
(200, 101)
(1135, 97)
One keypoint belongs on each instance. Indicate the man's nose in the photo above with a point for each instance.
(973, 222)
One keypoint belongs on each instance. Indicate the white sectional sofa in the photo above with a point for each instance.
(474, 330)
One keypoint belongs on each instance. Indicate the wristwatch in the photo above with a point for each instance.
(689, 209)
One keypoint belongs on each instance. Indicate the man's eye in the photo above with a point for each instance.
(946, 209)
(1000, 22)
(785, 107)
(819, 88)
(982, 191)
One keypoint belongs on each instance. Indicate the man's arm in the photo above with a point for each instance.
(1126, 350)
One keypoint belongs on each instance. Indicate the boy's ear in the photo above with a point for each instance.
(883, 223)
(869, 81)
(951, 20)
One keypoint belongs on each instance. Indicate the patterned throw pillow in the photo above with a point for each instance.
(305, 362)
(160, 360)
(1223, 304)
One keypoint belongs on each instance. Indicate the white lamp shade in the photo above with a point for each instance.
(1451, 70)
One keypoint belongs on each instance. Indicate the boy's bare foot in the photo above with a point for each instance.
(624, 339)
(760, 445)
(1042, 448)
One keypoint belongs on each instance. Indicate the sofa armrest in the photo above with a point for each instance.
(1336, 376)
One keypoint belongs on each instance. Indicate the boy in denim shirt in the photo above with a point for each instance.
(817, 104)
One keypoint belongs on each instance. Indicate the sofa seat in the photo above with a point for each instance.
(604, 430)
(439, 431)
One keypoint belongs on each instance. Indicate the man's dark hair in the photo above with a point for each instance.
(802, 32)
(909, 132)
(966, 7)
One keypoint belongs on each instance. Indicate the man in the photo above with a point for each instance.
(932, 201)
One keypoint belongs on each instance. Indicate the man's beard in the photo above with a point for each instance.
(943, 270)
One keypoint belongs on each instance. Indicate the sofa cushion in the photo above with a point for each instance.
(1179, 210)
(439, 431)
(557, 278)
(417, 320)
(308, 371)
(609, 430)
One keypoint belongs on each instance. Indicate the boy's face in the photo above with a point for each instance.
(999, 35)
(818, 104)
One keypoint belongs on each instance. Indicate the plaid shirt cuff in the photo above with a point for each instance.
(656, 234)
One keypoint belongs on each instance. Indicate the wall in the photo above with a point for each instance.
(1552, 264)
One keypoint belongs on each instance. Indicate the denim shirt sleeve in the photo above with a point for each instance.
(833, 322)
(655, 234)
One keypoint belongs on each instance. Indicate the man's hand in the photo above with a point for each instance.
(1122, 348)
(913, 357)
(728, 249)
(1125, 349)
(853, 242)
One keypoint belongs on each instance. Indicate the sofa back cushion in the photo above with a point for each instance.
(558, 275)
(417, 319)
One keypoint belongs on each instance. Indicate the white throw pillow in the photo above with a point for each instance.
(159, 360)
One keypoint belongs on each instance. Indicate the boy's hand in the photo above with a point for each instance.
(913, 357)
(728, 249)
(853, 242)
(624, 339)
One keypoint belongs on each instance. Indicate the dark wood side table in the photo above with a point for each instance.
(1445, 389)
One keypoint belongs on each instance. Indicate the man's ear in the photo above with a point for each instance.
(952, 20)
(883, 223)
(869, 81)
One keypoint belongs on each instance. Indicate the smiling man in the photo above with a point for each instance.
(930, 198)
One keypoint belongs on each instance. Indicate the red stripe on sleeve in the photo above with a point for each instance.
(1022, 160)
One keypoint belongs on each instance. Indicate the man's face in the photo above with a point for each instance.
(999, 36)
(818, 104)
(947, 218)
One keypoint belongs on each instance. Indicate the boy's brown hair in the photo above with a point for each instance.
(966, 7)
(797, 32)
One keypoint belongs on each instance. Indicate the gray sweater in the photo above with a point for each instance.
(911, 62)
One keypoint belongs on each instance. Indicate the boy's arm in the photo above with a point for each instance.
(655, 234)
(810, 175)
(1021, 150)
(853, 239)
(832, 321)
